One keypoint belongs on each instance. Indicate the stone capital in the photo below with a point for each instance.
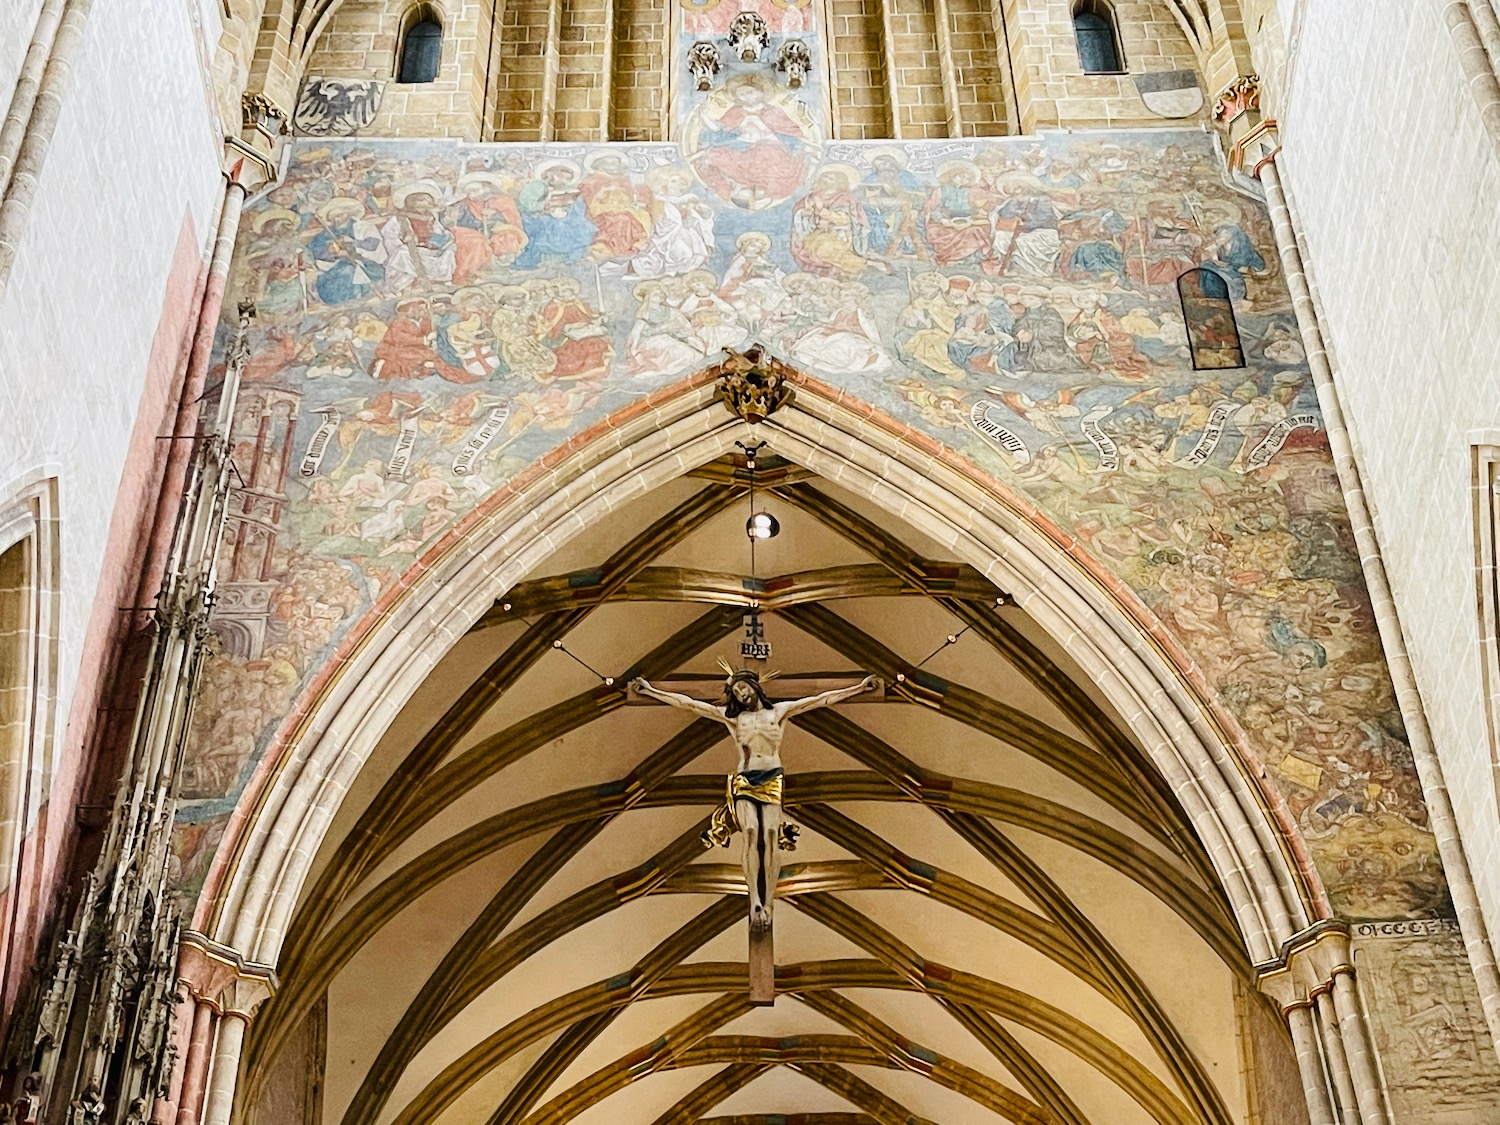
(1306, 965)
(251, 158)
(219, 976)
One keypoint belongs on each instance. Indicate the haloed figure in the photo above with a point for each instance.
(752, 802)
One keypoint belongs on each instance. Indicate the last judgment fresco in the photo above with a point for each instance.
(432, 318)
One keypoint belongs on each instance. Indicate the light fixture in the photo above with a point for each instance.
(762, 525)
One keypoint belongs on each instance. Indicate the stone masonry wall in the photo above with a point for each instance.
(583, 89)
(1051, 87)
(1396, 185)
(980, 69)
(520, 71)
(363, 40)
(639, 92)
(862, 103)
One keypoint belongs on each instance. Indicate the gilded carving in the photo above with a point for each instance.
(1238, 98)
(754, 384)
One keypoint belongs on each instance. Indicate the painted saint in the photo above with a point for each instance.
(753, 143)
(554, 216)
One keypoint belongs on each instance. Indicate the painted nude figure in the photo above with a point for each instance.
(753, 799)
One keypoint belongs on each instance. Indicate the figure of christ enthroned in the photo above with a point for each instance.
(752, 802)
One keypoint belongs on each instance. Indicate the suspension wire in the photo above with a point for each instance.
(609, 681)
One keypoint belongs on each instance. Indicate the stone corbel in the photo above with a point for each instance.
(216, 975)
(1313, 982)
(1251, 139)
(250, 159)
(1307, 966)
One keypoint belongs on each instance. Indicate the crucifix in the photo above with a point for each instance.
(752, 799)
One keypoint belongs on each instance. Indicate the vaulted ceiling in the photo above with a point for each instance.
(996, 911)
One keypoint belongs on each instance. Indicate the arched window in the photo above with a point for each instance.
(1098, 46)
(421, 48)
(1213, 336)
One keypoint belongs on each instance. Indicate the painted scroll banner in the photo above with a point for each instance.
(463, 464)
(1271, 444)
(401, 456)
(317, 445)
(1208, 441)
(980, 419)
(1104, 445)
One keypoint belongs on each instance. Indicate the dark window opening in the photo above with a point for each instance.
(1213, 336)
(421, 52)
(1098, 47)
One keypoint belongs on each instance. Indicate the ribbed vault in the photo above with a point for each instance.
(997, 911)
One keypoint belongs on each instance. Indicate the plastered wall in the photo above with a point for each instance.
(94, 317)
(1396, 188)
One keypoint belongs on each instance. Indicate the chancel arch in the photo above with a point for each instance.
(963, 839)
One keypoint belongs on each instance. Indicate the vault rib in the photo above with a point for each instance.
(360, 850)
(420, 1020)
(1025, 657)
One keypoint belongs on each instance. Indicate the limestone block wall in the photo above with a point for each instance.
(917, 88)
(862, 104)
(979, 68)
(363, 40)
(639, 84)
(1404, 250)
(584, 42)
(1051, 87)
(92, 329)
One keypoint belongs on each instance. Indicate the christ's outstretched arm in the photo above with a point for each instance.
(685, 702)
(825, 699)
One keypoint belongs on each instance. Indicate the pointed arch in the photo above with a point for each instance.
(1253, 844)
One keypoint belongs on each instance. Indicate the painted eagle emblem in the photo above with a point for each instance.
(337, 107)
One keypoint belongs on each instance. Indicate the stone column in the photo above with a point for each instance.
(189, 1100)
(229, 1042)
(1339, 1076)
(28, 85)
(1424, 753)
(1299, 1020)
(551, 71)
(1338, 1061)
(31, 153)
(1369, 1091)
(221, 994)
(1479, 73)
(952, 108)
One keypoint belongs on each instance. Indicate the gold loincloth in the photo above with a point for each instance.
(765, 789)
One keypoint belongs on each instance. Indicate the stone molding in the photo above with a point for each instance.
(1307, 965)
(216, 975)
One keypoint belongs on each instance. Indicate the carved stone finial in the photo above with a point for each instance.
(754, 384)
(748, 36)
(263, 115)
(793, 60)
(1238, 98)
(703, 63)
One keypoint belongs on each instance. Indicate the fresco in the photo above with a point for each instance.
(434, 318)
(750, 107)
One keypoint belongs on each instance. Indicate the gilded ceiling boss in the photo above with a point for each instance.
(752, 802)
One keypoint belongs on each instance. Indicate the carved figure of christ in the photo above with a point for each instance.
(754, 792)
